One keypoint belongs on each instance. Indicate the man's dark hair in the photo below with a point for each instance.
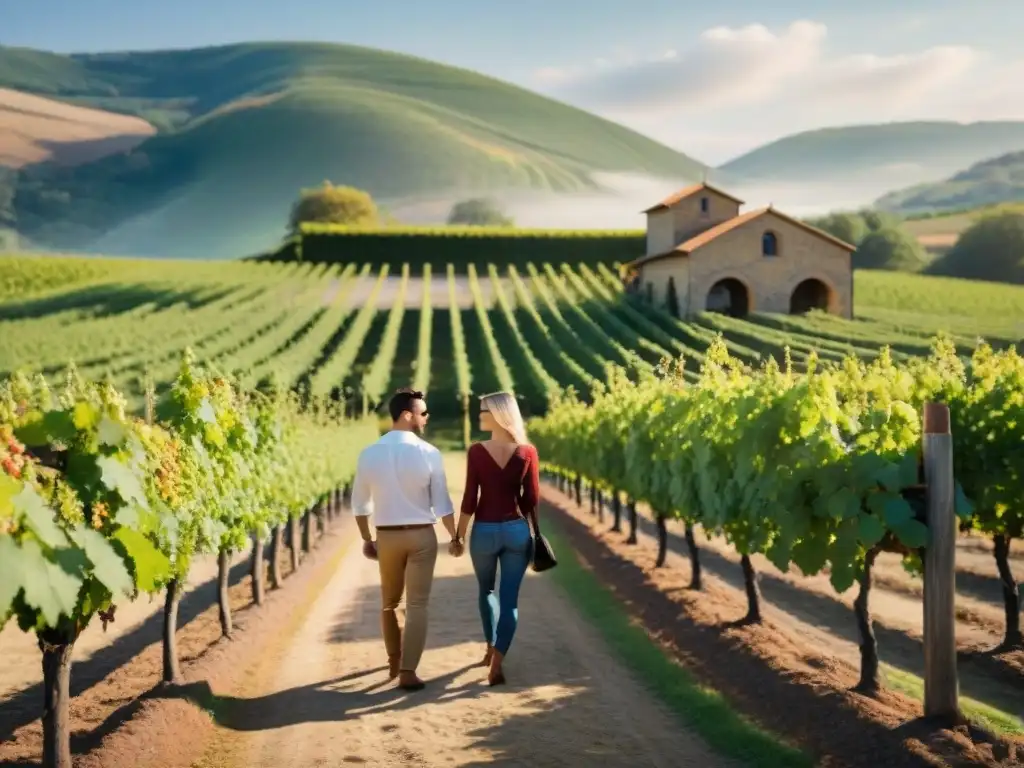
(402, 401)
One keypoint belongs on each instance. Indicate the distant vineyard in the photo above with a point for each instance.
(460, 246)
(357, 330)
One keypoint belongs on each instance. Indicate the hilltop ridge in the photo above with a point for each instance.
(241, 128)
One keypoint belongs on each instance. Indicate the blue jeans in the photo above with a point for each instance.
(510, 545)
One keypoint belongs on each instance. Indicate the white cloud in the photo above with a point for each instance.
(709, 98)
(726, 66)
(915, 76)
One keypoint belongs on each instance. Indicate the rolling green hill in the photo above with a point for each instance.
(990, 182)
(928, 150)
(244, 127)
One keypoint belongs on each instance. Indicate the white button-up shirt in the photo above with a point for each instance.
(400, 481)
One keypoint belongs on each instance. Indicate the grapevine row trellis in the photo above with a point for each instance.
(821, 469)
(97, 507)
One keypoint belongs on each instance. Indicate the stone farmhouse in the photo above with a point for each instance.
(724, 261)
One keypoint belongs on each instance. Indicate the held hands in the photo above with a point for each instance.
(370, 550)
(456, 548)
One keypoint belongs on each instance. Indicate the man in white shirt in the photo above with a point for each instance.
(400, 480)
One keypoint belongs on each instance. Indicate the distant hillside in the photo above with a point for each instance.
(907, 153)
(244, 127)
(34, 129)
(990, 182)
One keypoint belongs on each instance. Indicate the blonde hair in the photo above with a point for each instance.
(505, 411)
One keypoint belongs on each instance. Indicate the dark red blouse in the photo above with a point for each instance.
(498, 494)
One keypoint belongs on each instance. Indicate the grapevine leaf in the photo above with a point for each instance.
(85, 416)
(870, 530)
(39, 517)
(843, 504)
(48, 587)
(117, 477)
(908, 470)
(842, 575)
(206, 413)
(107, 565)
(961, 504)
(11, 574)
(843, 554)
(896, 510)
(889, 476)
(810, 554)
(110, 432)
(151, 566)
(912, 533)
(95, 598)
(40, 428)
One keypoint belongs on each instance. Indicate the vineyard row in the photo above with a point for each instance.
(815, 468)
(339, 331)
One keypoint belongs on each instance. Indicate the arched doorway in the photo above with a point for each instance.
(810, 294)
(730, 297)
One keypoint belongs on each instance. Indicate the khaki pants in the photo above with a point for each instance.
(406, 558)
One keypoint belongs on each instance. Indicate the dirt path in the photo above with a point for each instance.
(323, 698)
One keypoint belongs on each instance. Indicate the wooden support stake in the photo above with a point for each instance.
(940, 673)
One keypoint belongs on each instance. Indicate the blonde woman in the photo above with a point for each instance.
(502, 489)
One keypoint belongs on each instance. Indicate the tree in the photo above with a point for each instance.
(329, 204)
(889, 248)
(990, 249)
(848, 227)
(876, 221)
(479, 212)
(671, 298)
(8, 182)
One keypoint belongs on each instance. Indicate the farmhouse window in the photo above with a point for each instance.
(769, 244)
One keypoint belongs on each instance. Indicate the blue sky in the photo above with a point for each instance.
(713, 78)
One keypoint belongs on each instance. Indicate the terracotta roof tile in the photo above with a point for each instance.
(686, 192)
(705, 237)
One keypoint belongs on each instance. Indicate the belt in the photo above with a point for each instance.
(404, 527)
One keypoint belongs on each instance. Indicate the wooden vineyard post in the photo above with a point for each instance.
(940, 673)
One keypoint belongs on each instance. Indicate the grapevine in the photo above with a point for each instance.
(816, 468)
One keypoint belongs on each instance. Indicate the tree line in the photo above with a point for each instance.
(331, 204)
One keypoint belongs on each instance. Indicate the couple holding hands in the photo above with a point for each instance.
(400, 481)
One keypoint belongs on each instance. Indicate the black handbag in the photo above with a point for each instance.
(543, 555)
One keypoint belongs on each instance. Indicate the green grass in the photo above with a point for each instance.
(278, 117)
(954, 223)
(986, 716)
(938, 296)
(703, 709)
